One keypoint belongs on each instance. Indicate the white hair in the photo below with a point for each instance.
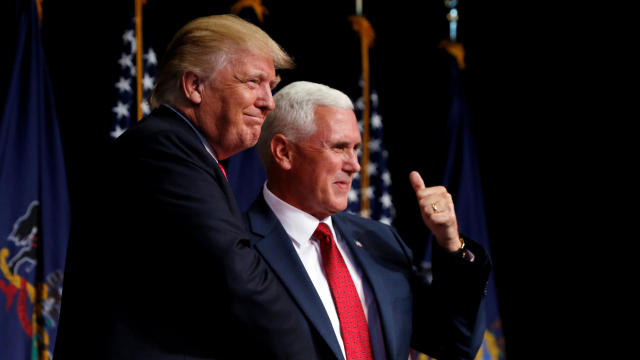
(294, 116)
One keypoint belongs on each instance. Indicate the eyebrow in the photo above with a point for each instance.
(259, 74)
(345, 144)
(273, 83)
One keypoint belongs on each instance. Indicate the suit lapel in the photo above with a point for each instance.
(358, 241)
(274, 244)
(200, 153)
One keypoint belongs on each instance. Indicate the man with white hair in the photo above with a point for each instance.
(352, 278)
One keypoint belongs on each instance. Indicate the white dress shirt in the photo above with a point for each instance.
(300, 226)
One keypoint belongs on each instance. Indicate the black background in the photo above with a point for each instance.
(527, 79)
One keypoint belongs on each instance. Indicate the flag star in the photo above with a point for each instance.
(147, 81)
(359, 152)
(374, 145)
(365, 213)
(385, 200)
(376, 121)
(374, 99)
(129, 36)
(132, 70)
(123, 85)
(150, 57)
(359, 105)
(372, 168)
(386, 178)
(385, 220)
(125, 61)
(353, 195)
(146, 109)
(369, 192)
(356, 176)
(115, 133)
(121, 110)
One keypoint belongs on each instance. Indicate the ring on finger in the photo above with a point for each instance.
(434, 206)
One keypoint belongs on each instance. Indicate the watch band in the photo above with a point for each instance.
(465, 253)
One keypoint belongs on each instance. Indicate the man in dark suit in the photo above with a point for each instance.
(352, 278)
(167, 271)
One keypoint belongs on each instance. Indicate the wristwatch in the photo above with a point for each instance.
(464, 252)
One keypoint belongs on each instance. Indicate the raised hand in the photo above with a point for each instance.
(436, 206)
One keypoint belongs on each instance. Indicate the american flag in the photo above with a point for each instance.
(380, 205)
(125, 109)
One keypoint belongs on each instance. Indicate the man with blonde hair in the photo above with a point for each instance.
(169, 272)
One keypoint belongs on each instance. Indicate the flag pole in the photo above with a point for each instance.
(363, 27)
(39, 7)
(139, 70)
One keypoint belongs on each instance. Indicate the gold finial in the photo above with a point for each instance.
(256, 5)
(456, 50)
(362, 26)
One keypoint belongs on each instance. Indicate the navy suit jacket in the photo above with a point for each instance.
(443, 319)
(162, 268)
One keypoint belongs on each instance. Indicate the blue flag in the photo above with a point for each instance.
(462, 179)
(34, 204)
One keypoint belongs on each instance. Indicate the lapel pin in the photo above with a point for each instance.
(358, 243)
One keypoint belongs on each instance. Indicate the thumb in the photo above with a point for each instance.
(416, 181)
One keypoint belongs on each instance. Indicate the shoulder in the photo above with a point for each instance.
(162, 135)
(161, 123)
(381, 238)
(363, 223)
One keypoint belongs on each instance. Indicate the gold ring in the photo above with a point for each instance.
(434, 206)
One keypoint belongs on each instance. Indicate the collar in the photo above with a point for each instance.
(202, 139)
(298, 224)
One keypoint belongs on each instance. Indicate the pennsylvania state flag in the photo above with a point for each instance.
(34, 205)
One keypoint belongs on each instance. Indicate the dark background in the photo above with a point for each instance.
(526, 67)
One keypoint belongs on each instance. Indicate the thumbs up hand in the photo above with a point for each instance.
(436, 206)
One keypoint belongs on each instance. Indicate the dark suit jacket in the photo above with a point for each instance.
(443, 319)
(165, 270)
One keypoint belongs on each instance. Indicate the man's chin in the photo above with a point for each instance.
(251, 139)
(341, 207)
(255, 135)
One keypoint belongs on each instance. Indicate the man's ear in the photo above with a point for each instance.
(281, 150)
(192, 87)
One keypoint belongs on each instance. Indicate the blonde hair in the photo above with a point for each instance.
(206, 45)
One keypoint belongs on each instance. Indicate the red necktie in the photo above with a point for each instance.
(353, 323)
(223, 172)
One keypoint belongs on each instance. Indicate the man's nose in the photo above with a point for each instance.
(265, 98)
(351, 164)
